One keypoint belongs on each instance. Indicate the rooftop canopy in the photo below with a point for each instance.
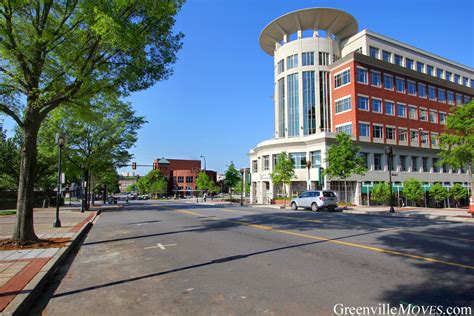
(334, 21)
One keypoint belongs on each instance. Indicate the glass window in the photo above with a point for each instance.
(409, 63)
(457, 78)
(323, 58)
(414, 136)
(402, 134)
(388, 81)
(374, 52)
(400, 85)
(363, 103)
(299, 160)
(292, 61)
(390, 163)
(254, 166)
(433, 116)
(180, 179)
(450, 95)
(423, 115)
(342, 78)
(420, 66)
(274, 160)
(411, 87)
(432, 93)
(424, 138)
(435, 165)
(439, 73)
(401, 110)
(375, 78)
(365, 157)
(448, 76)
(377, 131)
(472, 83)
(398, 60)
(281, 66)
(266, 163)
(387, 56)
(434, 139)
(390, 133)
(344, 129)
(441, 95)
(377, 105)
(465, 81)
(403, 163)
(414, 164)
(442, 118)
(421, 90)
(389, 108)
(343, 104)
(458, 99)
(281, 108)
(362, 76)
(377, 161)
(293, 108)
(429, 70)
(412, 113)
(189, 179)
(307, 58)
(309, 103)
(424, 163)
(364, 129)
(466, 99)
(315, 159)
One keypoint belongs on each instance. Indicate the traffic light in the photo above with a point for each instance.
(134, 166)
(155, 166)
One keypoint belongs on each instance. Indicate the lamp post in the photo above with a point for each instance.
(243, 187)
(308, 165)
(60, 140)
(204, 158)
(389, 153)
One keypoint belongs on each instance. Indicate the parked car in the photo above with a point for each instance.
(315, 200)
(143, 197)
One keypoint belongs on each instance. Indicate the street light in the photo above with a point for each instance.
(204, 158)
(60, 140)
(242, 170)
(389, 153)
(308, 165)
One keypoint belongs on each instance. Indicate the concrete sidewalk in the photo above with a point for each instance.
(24, 272)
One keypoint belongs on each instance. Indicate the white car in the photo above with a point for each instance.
(315, 200)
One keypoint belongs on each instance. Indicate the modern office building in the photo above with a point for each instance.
(331, 78)
(181, 175)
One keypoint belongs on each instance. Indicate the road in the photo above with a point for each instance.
(172, 258)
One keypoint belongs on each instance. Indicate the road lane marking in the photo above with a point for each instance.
(161, 246)
(345, 243)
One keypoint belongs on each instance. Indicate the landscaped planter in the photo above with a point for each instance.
(280, 202)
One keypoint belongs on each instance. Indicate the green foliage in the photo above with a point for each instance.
(343, 159)
(132, 188)
(214, 188)
(381, 193)
(457, 142)
(9, 162)
(153, 183)
(283, 171)
(412, 190)
(238, 187)
(458, 192)
(232, 178)
(438, 193)
(203, 182)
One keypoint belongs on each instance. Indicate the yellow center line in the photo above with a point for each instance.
(345, 243)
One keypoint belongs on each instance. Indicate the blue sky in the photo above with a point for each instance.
(219, 104)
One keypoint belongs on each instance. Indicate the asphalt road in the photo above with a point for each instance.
(170, 258)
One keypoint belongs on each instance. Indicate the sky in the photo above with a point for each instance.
(218, 103)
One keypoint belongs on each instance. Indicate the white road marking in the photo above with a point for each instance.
(162, 247)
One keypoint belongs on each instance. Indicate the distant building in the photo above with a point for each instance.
(126, 180)
(181, 175)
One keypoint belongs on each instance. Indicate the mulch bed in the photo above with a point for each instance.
(9, 244)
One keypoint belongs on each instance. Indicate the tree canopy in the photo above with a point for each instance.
(232, 177)
(413, 190)
(283, 171)
(381, 193)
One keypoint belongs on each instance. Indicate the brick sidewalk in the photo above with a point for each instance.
(19, 267)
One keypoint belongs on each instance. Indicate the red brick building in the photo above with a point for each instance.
(181, 175)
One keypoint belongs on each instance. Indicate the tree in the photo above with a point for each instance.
(283, 172)
(62, 53)
(132, 188)
(98, 139)
(381, 193)
(457, 142)
(203, 181)
(344, 161)
(458, 193)
(413, 190)
(232, 178)
(438, 193)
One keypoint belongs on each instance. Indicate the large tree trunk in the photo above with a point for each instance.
(24, 230)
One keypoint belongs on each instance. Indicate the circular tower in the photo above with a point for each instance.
(303, 44)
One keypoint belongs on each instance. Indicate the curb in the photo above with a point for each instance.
(418, 216)
(23, 302)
